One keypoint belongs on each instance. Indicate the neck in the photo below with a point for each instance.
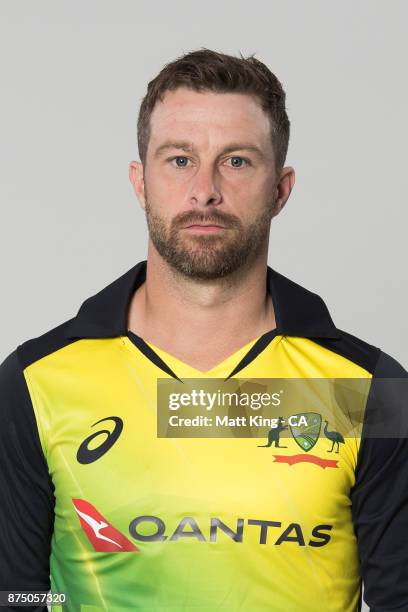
(169, 309)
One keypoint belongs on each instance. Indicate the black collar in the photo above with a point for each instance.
(298, 311)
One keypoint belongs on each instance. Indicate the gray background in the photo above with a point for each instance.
(72, 78)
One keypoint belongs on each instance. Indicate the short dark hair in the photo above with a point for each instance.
(208, 70)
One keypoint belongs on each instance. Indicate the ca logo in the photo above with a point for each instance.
(88, 455)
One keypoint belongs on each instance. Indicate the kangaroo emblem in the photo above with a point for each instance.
(273, 435)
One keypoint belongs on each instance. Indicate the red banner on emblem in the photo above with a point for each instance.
(292, 459)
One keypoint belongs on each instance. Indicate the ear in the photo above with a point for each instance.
(283, 188)
(137, 180)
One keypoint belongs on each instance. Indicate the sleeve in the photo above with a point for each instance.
(380, 494)
(27, 492)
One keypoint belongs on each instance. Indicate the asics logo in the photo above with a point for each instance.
(88, 455)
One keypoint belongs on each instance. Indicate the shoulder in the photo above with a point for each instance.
(12, 382)
(389, 367)
(35, 348)
(371, 357)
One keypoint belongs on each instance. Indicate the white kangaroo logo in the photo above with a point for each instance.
(97, 526)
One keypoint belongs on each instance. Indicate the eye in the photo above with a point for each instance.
(181, 161)
(236, 161)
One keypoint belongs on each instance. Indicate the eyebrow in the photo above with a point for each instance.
(186, 146)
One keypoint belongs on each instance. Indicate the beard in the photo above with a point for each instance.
(208, 256)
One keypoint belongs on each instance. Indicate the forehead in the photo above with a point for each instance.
(183, 113)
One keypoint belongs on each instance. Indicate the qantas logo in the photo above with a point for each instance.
(106, 538)
(103, 536)
(88, 455)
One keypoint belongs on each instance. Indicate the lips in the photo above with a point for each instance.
(205, 225)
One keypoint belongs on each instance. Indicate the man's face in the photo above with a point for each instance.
(209, 181)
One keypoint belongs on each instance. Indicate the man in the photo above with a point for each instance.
(99, 488)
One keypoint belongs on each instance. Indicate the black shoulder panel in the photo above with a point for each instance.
(353, 348)
(389, 367)
(49, 342)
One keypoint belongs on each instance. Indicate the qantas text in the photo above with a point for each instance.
(268, 532)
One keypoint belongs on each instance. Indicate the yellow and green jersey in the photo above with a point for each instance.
(102, 505)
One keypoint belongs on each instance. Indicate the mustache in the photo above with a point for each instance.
(191, 217)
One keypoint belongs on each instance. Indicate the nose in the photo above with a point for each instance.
(204, 189)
